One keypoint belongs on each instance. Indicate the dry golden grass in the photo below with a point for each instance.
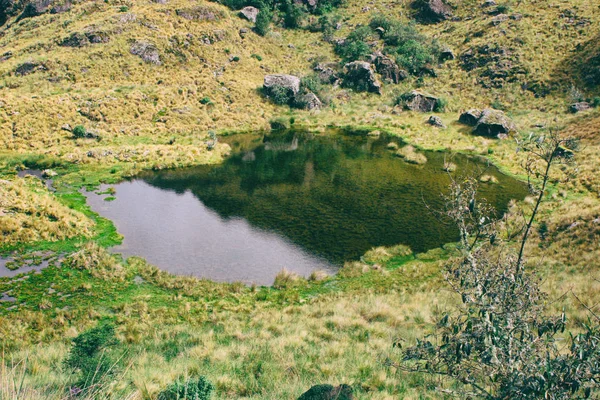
(29, 213)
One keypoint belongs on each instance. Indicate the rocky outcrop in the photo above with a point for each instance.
(419, 101)
(360, 76)
(581, 106)
(278, 82)
(146, 51)
(328, 392)
(29, 68)
(308, 101)
(495, 64)
(436, 121)
(250, 13)
(470, 117)
(447, 54)
(78, 39)
(388, 69)
(433, 10)
(493, 123)
(327, 73)
(200, 13)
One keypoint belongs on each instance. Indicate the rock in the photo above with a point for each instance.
(29, 68)
(434, 10)
(6, 56)
(493, 123)
(516, 17)
(360, 76)
(35, 8)
(328, 392)
(66, 127)
(447, 54)
(327, 72)
(489, 3)
(146, 51)
(388, 69)
(419, 101)
(250, 13)
(470, 117)
(290, 83)
(308, 101)
(434, 120)
(243, 32)
(581, 106)
(498, 19)
(200, 13)
(61, 8)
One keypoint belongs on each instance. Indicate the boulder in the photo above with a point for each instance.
(6, 56)
(243, 32)
(470, 117)
(581, 106)
(419, 101)
(60, 8)
(250, 13)
(327, 72)
(308, 101)
(434, 10)
(447, 54)
(498, 19)
(200, 13)
(388, 69)
(35, 8)
(493, 123)
(29, 68)
(146, 51)
(434, 120)
(360, 76)
(328, 392)
(277, 82)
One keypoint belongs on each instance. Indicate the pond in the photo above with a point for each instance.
(292, 200)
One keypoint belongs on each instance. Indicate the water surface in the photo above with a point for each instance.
(292, 200)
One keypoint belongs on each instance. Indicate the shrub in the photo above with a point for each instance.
(79, 131)
(263, 22)
(256, 56)
(440, 105)
(191, 389)
(87, 356)
(596, 101)
(281, 95)
(279, 124)
(355, 46)
(293, 15)
(414, 56)
(205, 100)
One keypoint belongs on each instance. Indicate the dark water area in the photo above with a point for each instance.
(291, 200)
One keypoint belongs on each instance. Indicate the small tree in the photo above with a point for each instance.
(500, 344)
(263, 21)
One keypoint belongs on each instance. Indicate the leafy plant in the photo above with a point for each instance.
(501, 344)
(263, 22)
(440, 105)
(355, 46)
(79, 131)
(191, 389)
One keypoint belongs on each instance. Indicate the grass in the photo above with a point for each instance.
(257, 342)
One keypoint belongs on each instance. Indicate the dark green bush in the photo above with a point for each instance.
(87, 356)
(293, 15)
(280, 95)
(256, 56)
(355, 46)
(191, 389)
(596, 101)
(263, 22)
(414, 56)
(440, 105)
(205, 100)
(79, 131)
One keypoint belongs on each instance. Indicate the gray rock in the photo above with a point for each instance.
(243, 32)
(280, 81)
(250, 13)
(434, 120)
(199, 13)
(493, 123)
(6, 56)
(308, 101)
(470, 117)
(388, 69)
(146, 51)
(434, 10)
(489, 3)
(328, 392)
(447, 54)
(581, 106)
(360, 76)
(29, 67)
(419, 101)
(498, 19)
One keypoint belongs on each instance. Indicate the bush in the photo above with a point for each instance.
(263, 22)
(256, 56)
(440, 105)
(280, 95)
(87, 356)
(205, 100)
(596, 102)
(279, 124)
(414, 56)
(355, 46)
(293, 15)
(79, 131)
(191, 389)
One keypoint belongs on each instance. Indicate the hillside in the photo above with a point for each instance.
(153, 82)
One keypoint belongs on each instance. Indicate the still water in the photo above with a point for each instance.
(291, 200)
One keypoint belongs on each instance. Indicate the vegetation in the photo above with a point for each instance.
(274, 343)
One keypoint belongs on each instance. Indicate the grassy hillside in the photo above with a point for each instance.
(78, 67)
